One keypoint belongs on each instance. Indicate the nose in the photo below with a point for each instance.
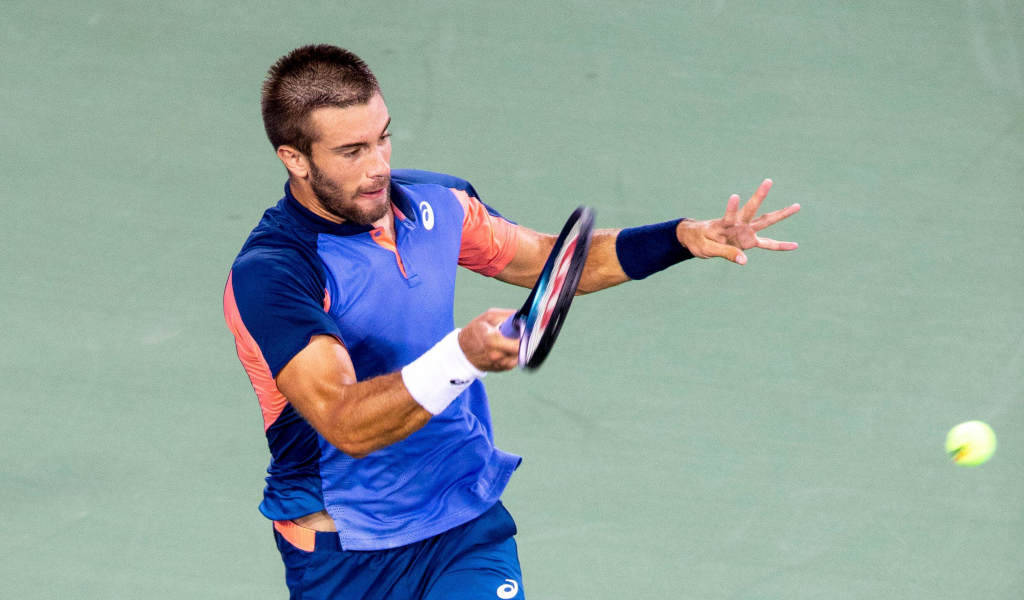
(380, 163)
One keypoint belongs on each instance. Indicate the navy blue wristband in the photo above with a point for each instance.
(645, 250)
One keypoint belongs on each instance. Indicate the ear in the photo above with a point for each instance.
(296, 162)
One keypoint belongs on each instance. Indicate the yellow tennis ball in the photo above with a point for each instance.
(971, 443)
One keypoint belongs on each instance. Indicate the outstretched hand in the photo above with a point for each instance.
(730, 235)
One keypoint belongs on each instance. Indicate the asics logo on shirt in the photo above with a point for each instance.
(460, 381)
(509, 590)
(427, 213)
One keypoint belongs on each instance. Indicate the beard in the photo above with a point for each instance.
(334, 200)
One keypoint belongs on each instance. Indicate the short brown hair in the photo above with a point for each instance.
(308, 78)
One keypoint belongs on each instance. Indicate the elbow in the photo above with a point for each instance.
(352, 445)
(357, 452)
(589, 285)
(600, 277)
(337, 423)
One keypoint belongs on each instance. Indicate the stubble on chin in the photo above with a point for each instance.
(332, 198)
(352, 213)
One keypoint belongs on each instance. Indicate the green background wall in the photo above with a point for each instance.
(715, 432)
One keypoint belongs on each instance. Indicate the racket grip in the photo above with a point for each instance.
(510, 328)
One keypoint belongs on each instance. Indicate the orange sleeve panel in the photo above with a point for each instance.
(272, 401)
(489, 242)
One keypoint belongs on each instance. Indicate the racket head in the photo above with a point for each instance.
(544, 311)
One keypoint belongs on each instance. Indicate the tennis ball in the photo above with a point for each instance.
(971, 443)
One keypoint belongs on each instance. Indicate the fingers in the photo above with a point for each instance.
(736, 231)
(737, 256)
(730, 253)
(497, 316)
(497, 342)
(485, 346)
(774, 217)
(497, 346)
(770, 244)
(730, 210)
(754, 204)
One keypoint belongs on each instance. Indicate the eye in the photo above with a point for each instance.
(351, 153)
(384, 138)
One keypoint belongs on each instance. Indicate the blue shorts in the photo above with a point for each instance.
(474, 560)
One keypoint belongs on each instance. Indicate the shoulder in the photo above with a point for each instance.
(462, 190)
(440, 192)
(278, 251)
(278, 230)
(411, 177)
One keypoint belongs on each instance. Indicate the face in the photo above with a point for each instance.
(350, 163)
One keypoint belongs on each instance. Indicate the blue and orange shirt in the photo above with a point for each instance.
(388, 301)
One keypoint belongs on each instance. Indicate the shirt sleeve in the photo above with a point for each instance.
(489, 241)
(277, 303)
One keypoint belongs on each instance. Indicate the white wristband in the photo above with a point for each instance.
(440, 374)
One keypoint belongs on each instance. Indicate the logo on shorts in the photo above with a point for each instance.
(509, 590)
(428, 215)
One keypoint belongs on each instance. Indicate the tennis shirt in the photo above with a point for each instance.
(388, 301)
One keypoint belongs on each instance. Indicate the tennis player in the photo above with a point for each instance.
(384, 480)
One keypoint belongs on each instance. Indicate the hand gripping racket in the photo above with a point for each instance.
(537, 323)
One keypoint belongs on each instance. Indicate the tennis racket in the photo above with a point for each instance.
(537, 323)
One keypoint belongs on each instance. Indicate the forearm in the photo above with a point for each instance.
(382, 412)
(360, 417)
(617, 256)
(602, 269)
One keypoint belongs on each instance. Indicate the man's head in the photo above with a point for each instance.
(306, 79)
(325, 117)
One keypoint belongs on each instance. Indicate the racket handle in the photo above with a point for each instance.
(510, 328)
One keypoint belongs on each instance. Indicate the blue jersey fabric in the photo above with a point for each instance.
(298, 276)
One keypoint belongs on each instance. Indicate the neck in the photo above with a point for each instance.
(387, 223)
(303, 193)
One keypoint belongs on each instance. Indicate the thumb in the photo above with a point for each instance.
(497, 316)
(730, 253)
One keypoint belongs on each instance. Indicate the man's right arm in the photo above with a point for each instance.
(356, 417)
(359, 417)
(275, 305)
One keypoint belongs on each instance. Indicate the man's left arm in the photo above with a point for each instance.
(620, 255)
